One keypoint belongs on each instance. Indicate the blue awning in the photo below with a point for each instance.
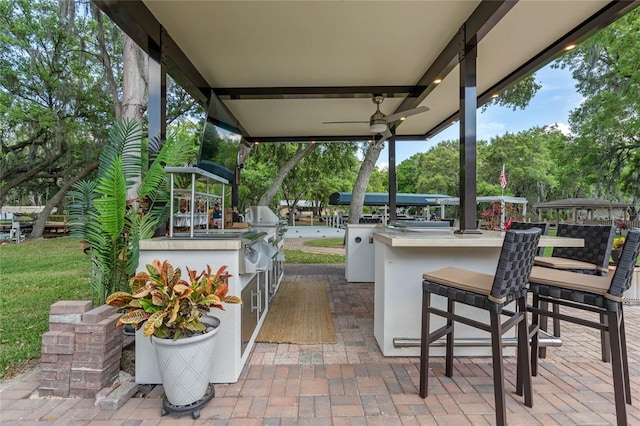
(382, 199)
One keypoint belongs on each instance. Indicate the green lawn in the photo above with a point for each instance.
(326, 242)
(298, 256)
(35, 274)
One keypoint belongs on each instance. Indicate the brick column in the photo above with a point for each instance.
(81, 351)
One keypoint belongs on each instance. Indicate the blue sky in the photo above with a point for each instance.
(551, 105)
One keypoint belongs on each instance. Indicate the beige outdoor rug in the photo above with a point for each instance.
(299, 314)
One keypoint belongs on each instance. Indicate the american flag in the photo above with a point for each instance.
(503, 178)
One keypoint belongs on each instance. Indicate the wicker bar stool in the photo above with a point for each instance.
(593, 293)
(491, 293)
(544, 226)
(592, 259)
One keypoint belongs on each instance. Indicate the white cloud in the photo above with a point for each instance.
(551, 106)
(487, 130)
(563, 127)
(382, 166)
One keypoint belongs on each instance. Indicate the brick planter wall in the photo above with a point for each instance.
(81, 351)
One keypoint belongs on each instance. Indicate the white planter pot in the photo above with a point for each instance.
(185, 364)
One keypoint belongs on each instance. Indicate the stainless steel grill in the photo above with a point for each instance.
(262, 219)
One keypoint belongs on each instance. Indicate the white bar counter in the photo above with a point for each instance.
(403, 255)
(196, 253)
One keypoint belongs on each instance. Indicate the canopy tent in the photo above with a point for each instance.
(382, 199)
(588, 204)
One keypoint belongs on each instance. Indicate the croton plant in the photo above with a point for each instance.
(171, 307)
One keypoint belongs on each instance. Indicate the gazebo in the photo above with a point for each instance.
(588, 204)
(502, 199)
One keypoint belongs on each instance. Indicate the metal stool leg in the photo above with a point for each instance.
(449, 348)
(424, 345)
(523, 377)
(543, 322)
(535, 323)
(625, 360)
(616, 366)
(498, 369)
(604, 341)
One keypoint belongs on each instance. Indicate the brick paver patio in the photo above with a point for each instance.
(351, 383)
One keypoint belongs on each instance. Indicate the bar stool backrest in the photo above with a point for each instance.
(597, 244)
(515, 263)
(621, 280)
(544, 226)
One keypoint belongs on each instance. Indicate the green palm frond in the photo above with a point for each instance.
(124, 142)
(133, 253)
(98, 209)
(147, 224)
(111, 206)
(103, 254)
(79, 205)
(160, 214)
(131, 151)
(172, 153)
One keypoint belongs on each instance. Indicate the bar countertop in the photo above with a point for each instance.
(445, 237)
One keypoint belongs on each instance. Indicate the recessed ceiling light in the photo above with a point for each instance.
(570, 47)
(495, 95)
(437, 81)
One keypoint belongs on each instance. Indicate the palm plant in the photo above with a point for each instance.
(111, 225)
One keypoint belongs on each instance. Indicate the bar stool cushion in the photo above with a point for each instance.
(462, 279)
(563, 263)
(570, 285)
(478, 290)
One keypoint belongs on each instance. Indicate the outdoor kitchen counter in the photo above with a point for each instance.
(438, 237)
(402, 256)
(243, 253)
(191, 244)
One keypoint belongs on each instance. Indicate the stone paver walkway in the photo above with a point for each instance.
(351, 383)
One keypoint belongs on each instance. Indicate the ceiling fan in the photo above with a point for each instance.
(379, 123)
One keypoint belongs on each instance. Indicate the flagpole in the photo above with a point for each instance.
(502, 202)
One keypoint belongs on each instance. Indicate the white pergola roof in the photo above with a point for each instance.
(279, 69)
(275, 71)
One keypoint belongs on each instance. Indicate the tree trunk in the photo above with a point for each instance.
(134, 88)
(106, 62)
(360, 186)
(134, 84)
(38, 226)
(270, 193)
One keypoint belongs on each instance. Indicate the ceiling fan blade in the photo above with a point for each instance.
(398, 115)
(384, 136)
(343, 122)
